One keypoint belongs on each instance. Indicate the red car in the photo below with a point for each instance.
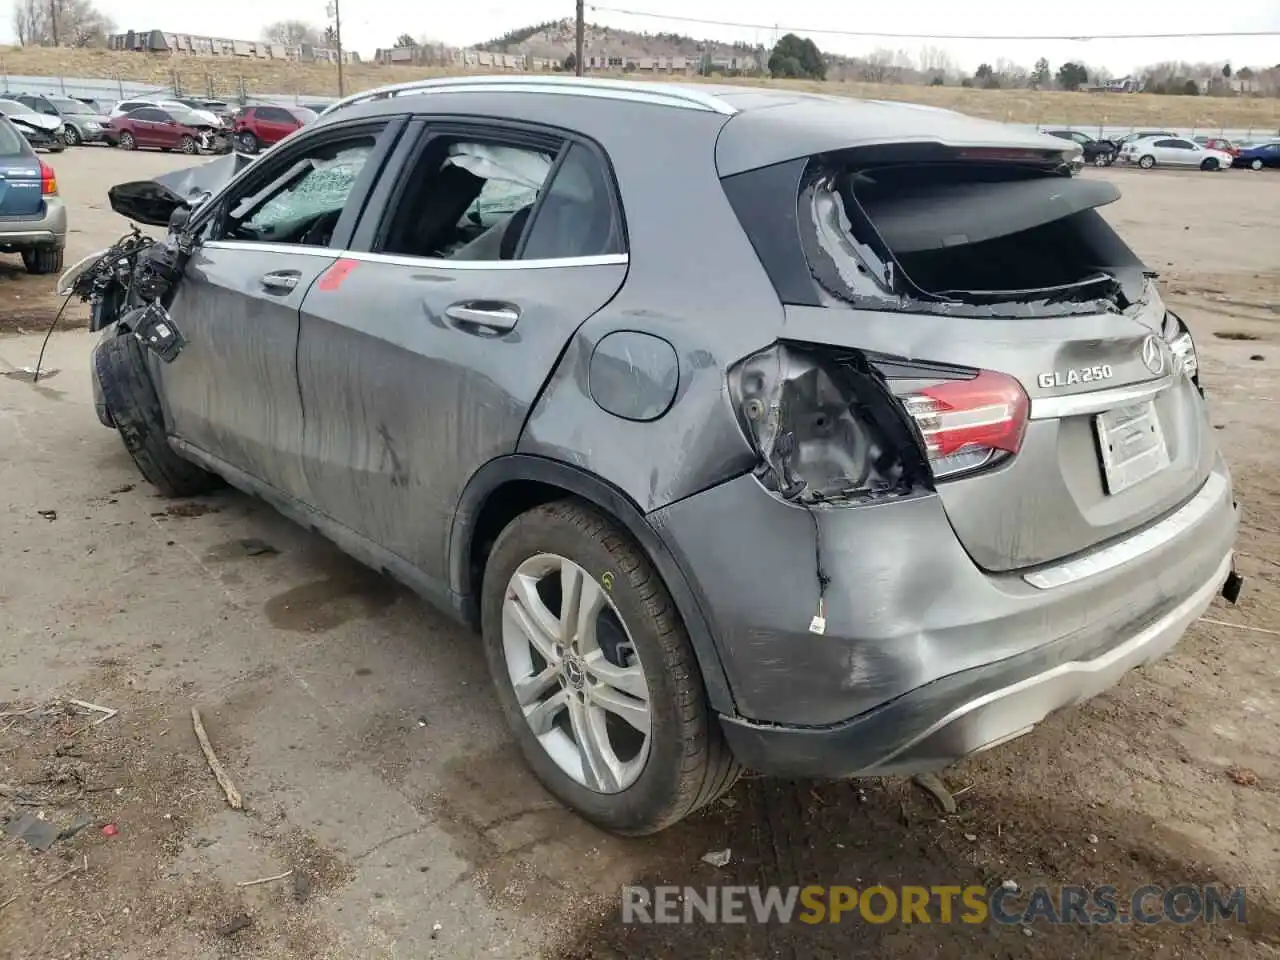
(1219, 143)
(152, 127)
(258, 127)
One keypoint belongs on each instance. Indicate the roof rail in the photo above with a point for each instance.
(666, 94)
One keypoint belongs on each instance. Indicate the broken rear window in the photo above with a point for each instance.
(965, 238)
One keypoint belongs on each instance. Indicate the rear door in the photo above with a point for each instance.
(275, 124)
(233, 390)
(20, 193)
(420, 356)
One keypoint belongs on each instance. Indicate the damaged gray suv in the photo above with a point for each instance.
(750, 428)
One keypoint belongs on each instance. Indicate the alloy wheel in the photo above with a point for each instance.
(576, 673)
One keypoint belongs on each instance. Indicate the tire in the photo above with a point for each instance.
(1101, 160)
(42, 260)
(72, 135)
(59, 143)
(188, 145)
(1255, 164)
(684, 762)
(121, 368)
(247, 142)
(1147, 162)
(1209, 165)
(126, 141)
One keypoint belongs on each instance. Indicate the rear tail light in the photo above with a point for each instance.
(1181, 345)
(48, 180)
(818, 427)
(970, 424)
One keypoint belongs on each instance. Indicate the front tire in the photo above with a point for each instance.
(1147, 162)
(1209, 165)
(121, 368)
(1255, 164)
(610, 712)
(248, 142)
(72, 135)
(42, 260)
(189, 145)
(1100, 160)
(126, 141)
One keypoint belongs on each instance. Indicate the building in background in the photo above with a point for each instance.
(161, 41)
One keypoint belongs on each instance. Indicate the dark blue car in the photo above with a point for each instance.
(1258, 156)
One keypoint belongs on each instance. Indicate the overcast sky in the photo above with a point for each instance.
(369, 24)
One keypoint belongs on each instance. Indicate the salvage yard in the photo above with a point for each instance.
(386, 812)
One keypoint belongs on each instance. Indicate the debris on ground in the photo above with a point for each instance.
(215, 765)
(75, 826)
(107, 712)
(435, 929)
(110, 830)
(1010, 885)
(254, 883)
(35, 832)
(717, 858)
(233, 926)
(253, 547)
(48, 514)
(301, 886)
(1243, 776)
(932, 783)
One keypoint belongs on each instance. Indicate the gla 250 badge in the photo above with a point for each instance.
(1067, 378)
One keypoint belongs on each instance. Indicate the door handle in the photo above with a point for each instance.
(498, 317)
(280, 281)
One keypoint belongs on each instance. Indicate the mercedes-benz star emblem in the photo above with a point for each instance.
(1152, 355)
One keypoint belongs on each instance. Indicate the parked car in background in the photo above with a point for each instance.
(753, 439)
(1174, 152)
(1119, 142)
(168, 129)
(101, 107)
(33, 219)
(1100, 153)
(1218, 143)
(39, 130)
(1258, 156)
(206, 117)
(264, 126)
(80, 124)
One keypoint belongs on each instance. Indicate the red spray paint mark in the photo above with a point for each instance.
(333, 277)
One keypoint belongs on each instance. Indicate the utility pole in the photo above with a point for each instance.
(335, 13)
(577, 52)
(53, 20)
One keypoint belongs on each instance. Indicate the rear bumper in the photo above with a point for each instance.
(935, 726)
(925, 656)
(49, 230)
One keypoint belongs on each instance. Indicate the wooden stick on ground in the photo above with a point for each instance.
(220, 774)
(107, 712)
(254, 883)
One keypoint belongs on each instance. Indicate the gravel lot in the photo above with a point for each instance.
(359, 726)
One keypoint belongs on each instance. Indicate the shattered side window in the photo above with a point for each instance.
(512, 178)
(321, 190)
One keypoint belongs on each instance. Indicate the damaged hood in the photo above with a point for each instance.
(194, 184)
(37, 121)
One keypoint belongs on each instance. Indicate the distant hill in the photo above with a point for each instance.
(555, 40)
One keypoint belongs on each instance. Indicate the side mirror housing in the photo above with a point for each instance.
(178, 219)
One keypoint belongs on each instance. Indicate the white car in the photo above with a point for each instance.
(1173, 152)
(125, 106)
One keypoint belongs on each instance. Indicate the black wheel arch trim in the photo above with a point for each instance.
(524, 467)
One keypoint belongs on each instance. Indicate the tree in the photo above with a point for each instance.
(570, 63)
(68, 23)
(1191, 89)
(291, 33)
(1040, 75)
(405, 40)
(808, 58)
(1226, 70)
(1072, 76)
(330, 36)
(983, 72)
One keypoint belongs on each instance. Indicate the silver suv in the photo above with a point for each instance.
(749, 428)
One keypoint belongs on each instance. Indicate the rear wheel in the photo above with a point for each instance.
(247, 142)
(126, 141)
(121, 368)
(42, 260)
(1209, 164)
(1100, 160)
(189, 145)
(1255, 164)
(72, 135)
(595, 673)
(1147, 162)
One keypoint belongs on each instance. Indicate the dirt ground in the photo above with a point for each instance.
(359, 726)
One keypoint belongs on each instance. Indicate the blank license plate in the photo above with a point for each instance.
(1131, 444)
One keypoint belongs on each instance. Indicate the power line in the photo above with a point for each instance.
(933, 36)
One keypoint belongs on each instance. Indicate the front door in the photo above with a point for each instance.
(233, 390)
(420, 359)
